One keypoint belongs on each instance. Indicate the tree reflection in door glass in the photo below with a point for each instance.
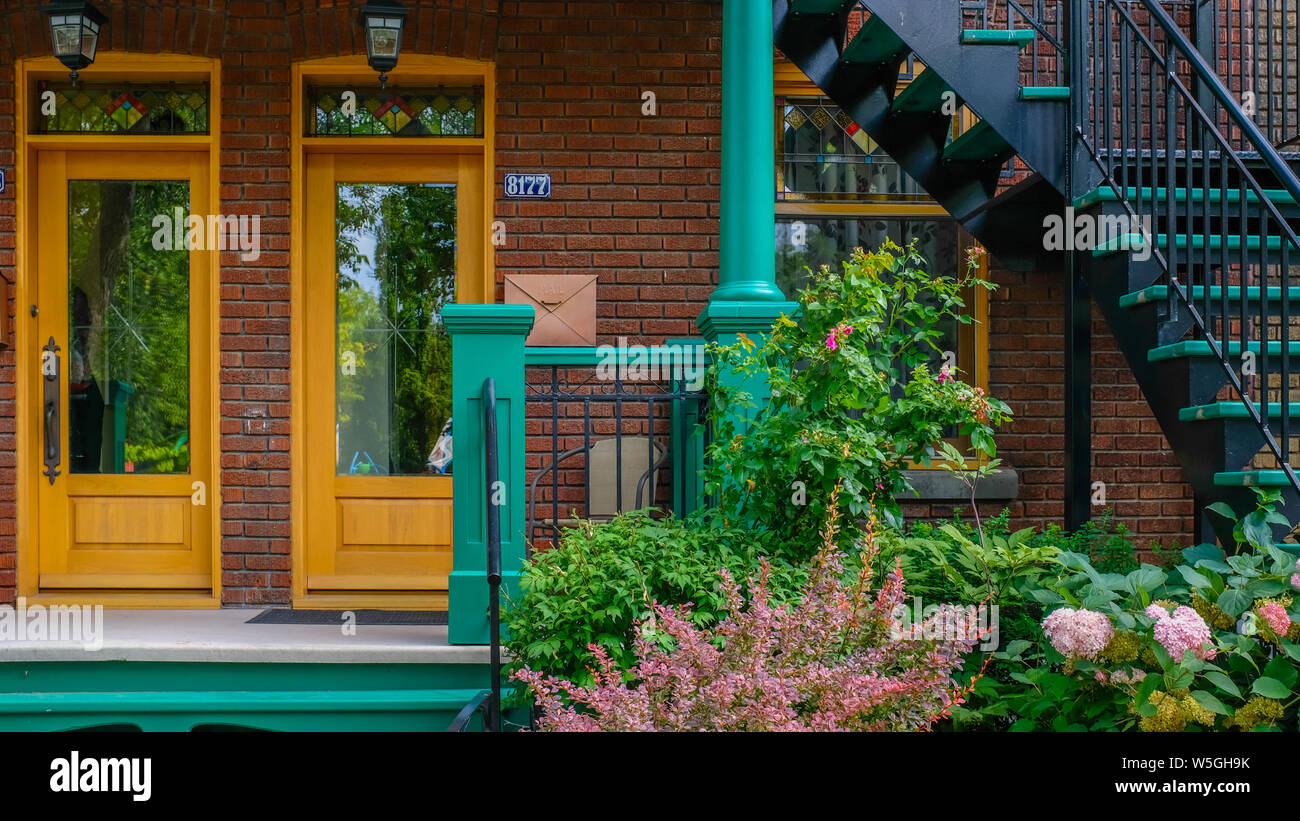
(128, 350)
(396, 259)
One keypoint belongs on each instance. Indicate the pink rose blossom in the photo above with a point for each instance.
(837, 333)
(1276, 616)
(945, 376)
(1184, 630)
(1078, 633)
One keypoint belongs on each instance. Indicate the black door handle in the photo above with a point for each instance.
(50, 370)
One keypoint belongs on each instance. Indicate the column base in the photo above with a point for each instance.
(468, 621)
(723, 319)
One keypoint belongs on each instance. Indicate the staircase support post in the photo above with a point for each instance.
(747, 299)
(1078, 395)
(1080, 176)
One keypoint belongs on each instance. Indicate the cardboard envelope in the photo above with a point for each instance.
(565, 305)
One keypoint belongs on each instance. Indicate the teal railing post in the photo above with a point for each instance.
(746, 299)
(486, 341)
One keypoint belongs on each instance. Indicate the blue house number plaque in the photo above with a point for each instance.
(536, 186)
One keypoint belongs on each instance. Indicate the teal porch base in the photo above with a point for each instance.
(182, 697)
(183, 671)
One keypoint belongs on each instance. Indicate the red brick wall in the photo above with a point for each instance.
(635, 202)
(635, 198)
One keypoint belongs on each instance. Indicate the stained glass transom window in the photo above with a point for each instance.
(121, 109)
(824, 155)
(369, 112)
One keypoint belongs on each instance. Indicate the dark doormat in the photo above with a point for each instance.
(283, 615)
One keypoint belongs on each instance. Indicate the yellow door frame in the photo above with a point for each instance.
(117, 66)
(476, 283)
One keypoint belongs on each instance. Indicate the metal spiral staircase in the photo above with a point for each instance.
(1117, 111)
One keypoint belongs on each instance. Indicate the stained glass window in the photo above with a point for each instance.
(121, 109)
(369, 112)
(824, 155)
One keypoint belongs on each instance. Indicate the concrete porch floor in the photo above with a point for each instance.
(225, 636)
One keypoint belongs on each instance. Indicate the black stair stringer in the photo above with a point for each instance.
(866, 92)
(986, 78)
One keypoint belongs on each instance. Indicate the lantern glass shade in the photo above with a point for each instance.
(74, 32)
(383, 24)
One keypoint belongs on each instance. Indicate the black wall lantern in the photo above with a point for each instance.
(383, 23)
(74, 33)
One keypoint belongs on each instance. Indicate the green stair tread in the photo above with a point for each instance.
(236, 701)
(1158, 293)
(980, 143)
(1030, 93)
(1198, 242)
(820, 6)
(876, 43)
(925, 93)
(1252, 478)
(1233, 410)
(997, 37)
(1107, 194)
(1199, 347)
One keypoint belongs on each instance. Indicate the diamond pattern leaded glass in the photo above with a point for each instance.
(414, 112)
(825, 155)
(121, 109)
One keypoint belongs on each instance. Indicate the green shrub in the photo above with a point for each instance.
(853, 398)
(600, 581)
(1210, 644)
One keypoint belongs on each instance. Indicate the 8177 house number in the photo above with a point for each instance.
(528, 185)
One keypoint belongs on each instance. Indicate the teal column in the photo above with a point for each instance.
(746, 299)
(748, 241)
(486, 341)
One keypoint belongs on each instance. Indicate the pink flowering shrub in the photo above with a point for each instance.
(1078, 633)
(1184, 630)
(1276, 617)
(834, 661)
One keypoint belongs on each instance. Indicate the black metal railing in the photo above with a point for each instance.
(1252, 45)
(489, 701)
(599, 445)
(1255, 46)
(1196, 173)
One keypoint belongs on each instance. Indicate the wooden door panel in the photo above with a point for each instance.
(128, 507)
(390, 528)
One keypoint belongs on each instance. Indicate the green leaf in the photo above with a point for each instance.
(1192, 577)
(1212, 552)
(1147, 577)
(1283, 670)
(1224, 683)
(1292, 650)
(1233, 602)
(1224, 510)
(1271, 688)
(1016, 647)
(1209, 702)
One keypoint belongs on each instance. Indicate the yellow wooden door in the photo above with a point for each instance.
(124, 438)
(387, 240)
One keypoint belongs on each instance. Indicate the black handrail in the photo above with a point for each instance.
(1137, 118)
(489, 701)
(492, 459)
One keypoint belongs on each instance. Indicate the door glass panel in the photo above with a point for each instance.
(128, 363)
(396, 259)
